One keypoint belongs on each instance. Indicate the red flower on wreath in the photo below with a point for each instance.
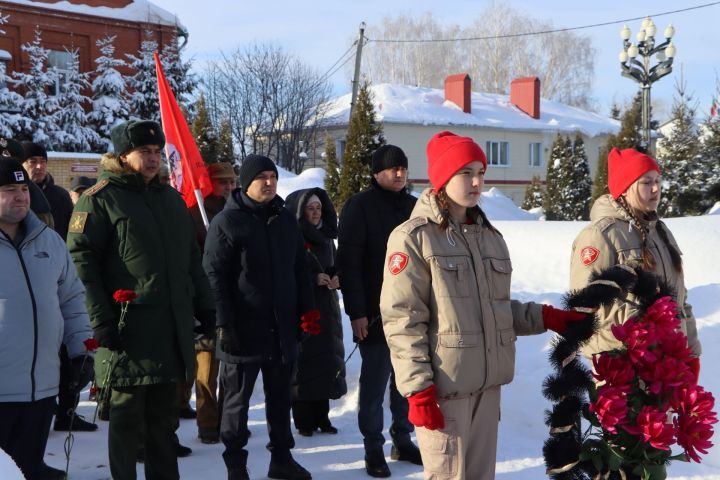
(694, 421)
(611, 407)
(652, 427)
(121, 296)
(613, 369)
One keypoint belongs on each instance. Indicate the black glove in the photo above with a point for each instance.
(108, 336)
(228, 341)
(207, 322)
(82, 372)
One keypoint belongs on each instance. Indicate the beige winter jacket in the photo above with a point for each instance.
(610, 240)
(446, 306)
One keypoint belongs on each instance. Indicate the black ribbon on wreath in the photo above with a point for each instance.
(569, 386)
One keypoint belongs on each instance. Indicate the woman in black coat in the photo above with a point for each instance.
(320, 374)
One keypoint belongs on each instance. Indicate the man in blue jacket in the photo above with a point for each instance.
(42, 304)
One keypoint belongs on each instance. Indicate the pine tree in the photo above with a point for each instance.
(204, 133)
(74, 135)
(683, 181)
(332, 176)
(225, 150)
(365, 135)
(178, 75)
(38, 110)
(110, 98)
(629, 136)
(552, 200)
(534, 194)
(580, 186)
(9, 100)
(563, 172)
(144, 103)
(710, 155)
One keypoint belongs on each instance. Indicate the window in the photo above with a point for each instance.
(498, 153)
(340, 149)
(535, 154)
(62, 62)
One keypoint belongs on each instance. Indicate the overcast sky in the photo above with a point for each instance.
(320, 31)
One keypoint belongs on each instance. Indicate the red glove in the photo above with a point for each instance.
(557, 320)
(424, 410)
(309, 322)
(694, 364)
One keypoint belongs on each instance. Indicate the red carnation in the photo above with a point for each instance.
(308, 246)
(91, 344)
(121, 296)
(652, 427)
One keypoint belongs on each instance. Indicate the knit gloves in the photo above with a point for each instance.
(424, 410)
(557, 320)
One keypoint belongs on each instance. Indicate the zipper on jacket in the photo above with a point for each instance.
(35, 323)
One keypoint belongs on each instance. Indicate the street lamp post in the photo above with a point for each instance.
(640, 69)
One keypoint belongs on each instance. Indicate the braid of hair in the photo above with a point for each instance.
(444, 208)
(647, 256)
(487, 222)
(674, 253)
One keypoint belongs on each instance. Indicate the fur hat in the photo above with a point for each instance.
(12, 172)
(251, 168)
(626, 166)
(447, 153)
(219, 170)
(388, 156)
(136, 133)
(11, 148)
(31, 149)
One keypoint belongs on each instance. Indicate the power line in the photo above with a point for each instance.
(331, 73)
(541, 32)
(327, 74)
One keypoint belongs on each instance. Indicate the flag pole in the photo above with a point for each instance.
(201, 206)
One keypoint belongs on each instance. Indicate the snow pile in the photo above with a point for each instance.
(8, 469)
(426, 106)
(137, 11)
(715, 209)
(288, 182)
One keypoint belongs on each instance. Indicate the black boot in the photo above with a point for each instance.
(286, 468)
(375, 464)
(79, 424)
(239, 473)
(49, 473)
(406, 453)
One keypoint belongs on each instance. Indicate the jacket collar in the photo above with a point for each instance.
(428, 206)
(606, 206)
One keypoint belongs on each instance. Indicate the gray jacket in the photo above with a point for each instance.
(42, 304)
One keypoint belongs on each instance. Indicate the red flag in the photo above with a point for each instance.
(188, 174)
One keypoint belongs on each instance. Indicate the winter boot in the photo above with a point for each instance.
(375, 464)
(406, 453)
(286, 468)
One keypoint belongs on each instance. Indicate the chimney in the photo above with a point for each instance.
(525, 95)
(457, 90)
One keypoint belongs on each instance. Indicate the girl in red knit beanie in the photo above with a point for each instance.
(625, 229)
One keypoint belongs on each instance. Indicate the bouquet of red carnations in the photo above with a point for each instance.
(643, 401)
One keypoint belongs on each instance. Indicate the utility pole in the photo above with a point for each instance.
(356, 76)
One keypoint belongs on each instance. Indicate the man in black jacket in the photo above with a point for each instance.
(61, 205)
(255, 260)
(366, 221)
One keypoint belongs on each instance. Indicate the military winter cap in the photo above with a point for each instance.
(252, 166)
(12, 172)
(11, 148)
(136, 133)
(388, 156)
(33, 150)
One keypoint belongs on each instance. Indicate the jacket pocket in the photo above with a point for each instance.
(499, 275)
(439, 449)
(506, 355)
(451, 276)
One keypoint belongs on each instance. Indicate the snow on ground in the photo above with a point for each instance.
(540, 252)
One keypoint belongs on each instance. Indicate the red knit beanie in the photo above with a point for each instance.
(626, 166)
(447, 153)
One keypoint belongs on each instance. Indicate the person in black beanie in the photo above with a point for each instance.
(366, 221)
(35, 161)
(255, 260)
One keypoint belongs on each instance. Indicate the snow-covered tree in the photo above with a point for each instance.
(204, 133)
(563, 172)
(683, 178)
(578, 191)
(144, 103)
(39, 111)
(365, 135)
(110, 98)
(9, 100)
(534, 194)
(552, 203)
(178, 75)
(332, 172)
(74, 135)
(710, 157)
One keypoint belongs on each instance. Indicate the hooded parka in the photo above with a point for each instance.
(446, 307)
(611, 239)
(320, 367)
(126, 234)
